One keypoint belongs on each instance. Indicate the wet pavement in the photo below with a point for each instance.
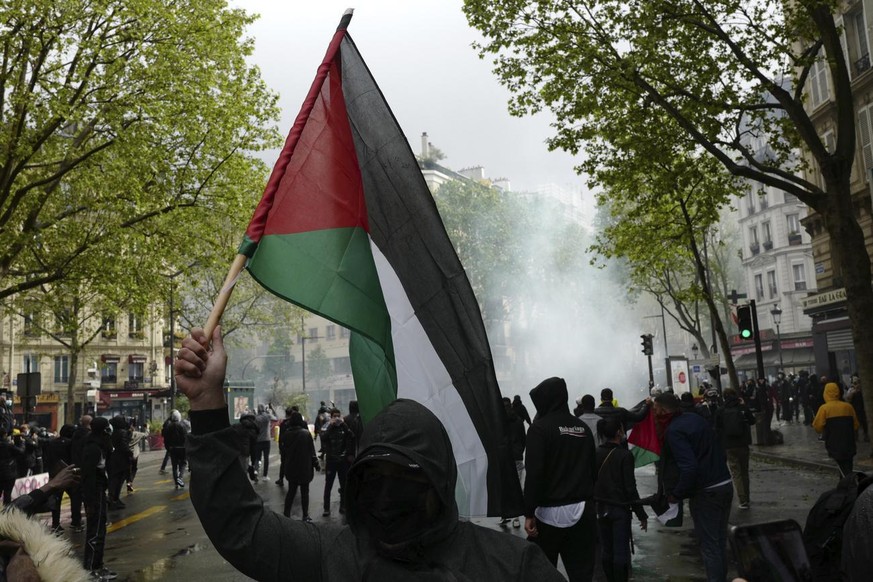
(158, 536)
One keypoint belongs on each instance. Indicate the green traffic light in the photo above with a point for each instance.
(746, 333)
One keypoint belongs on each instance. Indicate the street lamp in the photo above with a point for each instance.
(777, 319)
(694, 350)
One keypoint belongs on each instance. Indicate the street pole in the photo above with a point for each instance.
(303, 353)
(779, 342)
(172, 349)
(758, 354)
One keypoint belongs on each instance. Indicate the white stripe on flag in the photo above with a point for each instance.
(422, 376)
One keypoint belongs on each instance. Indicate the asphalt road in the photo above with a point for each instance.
(158, 536)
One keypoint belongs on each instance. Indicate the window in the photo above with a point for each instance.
(108, 327)
(313, 334)
(136, 371)
(63, 322)
(864, 121)
(829, 139)
(134, 326)
(30, 363)
(62, 369)
(799, 277)
(856, 34)
(753, 235)
(793, 223)
(765, 229)
(30, 325)
(818, 81)
(344, 333)
(763, 201)
(750, 202)
(109, 373)
(759, 286)
(330, 332)
(771, 283)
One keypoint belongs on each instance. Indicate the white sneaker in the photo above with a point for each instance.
(516, 523)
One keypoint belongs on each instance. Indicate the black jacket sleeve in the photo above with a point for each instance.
(258, 542)
(630, 486)
(534, 464)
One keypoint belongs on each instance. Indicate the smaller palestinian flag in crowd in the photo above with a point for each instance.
(643, 441)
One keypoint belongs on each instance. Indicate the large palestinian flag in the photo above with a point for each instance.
(643, 441)
(348, 229)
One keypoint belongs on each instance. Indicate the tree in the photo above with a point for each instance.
(126, 127)
(664, 203)
(718, 70)
(317, 365)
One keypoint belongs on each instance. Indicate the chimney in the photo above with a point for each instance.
(425, 150)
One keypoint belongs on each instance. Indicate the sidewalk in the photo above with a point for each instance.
(803, 449)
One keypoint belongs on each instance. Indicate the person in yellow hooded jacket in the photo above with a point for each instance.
(837, 420)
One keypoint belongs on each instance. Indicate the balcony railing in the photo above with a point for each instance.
(768, 244)
(862, 64)
(755, 248)
(795, 239)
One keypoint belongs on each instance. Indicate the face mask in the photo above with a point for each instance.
(393, 508)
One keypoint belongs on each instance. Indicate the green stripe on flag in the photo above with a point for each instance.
(332, 274)
(643, 457)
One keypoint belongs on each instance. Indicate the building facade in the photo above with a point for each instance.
(125, 369)
(831, 329)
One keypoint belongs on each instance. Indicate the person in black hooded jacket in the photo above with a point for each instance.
(299, 462)
(559, 487)
(98, 447)
(402, 516)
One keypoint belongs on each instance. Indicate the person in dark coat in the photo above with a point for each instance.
(337, 442)
(616, 495)
(520, 409)
(98, 447)
(856, 399)
(59, 454)
(402, 514)
(298, 452)
(174, 440)
(733, 424)
(284, 427)
(118, 464)
(515, 441)
(11, 458)
(355, 423)
(76, 447)
(559, 485)
(627, 418)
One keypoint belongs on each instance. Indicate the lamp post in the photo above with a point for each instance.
(694, 350)
(777, 319)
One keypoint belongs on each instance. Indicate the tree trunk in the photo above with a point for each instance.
(70, 408)
(854, 262)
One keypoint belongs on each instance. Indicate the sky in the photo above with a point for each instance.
(420, 54)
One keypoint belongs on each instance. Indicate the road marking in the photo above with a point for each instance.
(181, 497)
(116, 525)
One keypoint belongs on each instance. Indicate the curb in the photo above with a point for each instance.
(792, 461)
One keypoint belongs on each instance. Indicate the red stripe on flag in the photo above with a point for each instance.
(321, 186)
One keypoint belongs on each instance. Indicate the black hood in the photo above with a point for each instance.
(550, 395)
(409, 429)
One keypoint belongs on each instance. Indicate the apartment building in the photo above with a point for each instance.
(832, 337)
(125, 369)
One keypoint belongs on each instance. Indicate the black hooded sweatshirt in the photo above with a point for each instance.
(267, 546)
(560, 461)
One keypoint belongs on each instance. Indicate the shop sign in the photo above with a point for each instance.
(825, 298)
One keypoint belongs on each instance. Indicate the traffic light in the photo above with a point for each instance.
(647, 344)
(744, 321)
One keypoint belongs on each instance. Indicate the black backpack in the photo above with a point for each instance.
(823, 533)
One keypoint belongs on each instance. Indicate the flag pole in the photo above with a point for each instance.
(236, 268)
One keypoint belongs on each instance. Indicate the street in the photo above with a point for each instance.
(158, 536)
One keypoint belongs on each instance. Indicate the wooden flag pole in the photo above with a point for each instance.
(236, 268)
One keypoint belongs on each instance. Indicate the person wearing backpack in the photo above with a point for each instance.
(733, 423)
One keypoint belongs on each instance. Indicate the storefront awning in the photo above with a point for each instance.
(137, 359)
(110, 358)
(799, 357)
